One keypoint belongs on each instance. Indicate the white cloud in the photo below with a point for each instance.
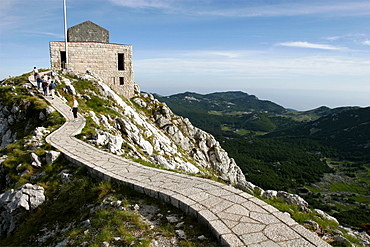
(294, 8)
(254, 8)
(301, 44)
(367, 42)
(254, 65)
(143, 3)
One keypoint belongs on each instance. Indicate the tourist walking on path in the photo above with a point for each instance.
(52, 87)
(74, 109)
(38, 80)
(45, 87)
(35, 72)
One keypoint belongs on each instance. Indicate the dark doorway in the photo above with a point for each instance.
(121, 81)
(63, 59)
(121, 61)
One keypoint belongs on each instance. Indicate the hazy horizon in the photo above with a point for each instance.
(298, 54)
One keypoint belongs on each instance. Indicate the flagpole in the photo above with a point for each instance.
(65, 32)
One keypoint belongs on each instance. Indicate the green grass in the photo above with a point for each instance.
(313, 189)
(360, 199)
(300, 216)
(342, 187)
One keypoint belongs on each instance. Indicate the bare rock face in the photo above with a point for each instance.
(51, 156)
(158, 135)
(35, 161)
(16, 202)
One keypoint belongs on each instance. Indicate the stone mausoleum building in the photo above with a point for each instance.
(89, 50)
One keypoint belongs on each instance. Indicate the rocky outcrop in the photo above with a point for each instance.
(326, 216)
(18, 114)
(152, 132)
(15, 202)
(287, 197)
(9, 115)
(37, 138)
(51, 156)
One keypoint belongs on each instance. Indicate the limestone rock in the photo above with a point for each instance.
(42, 116)
(287, 197)
(181, 234)
(113, 143)
(51, 156)
(269, 194)
(35, 161)
(293, 199)
(49, 110)
(65, 176)
(37, 138)
(15, 202)
(326, 216)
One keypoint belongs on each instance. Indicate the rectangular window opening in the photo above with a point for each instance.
(121, 61)
(121, 81)
(63, 59)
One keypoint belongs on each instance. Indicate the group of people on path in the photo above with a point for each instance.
(45, 82)
(48, 87)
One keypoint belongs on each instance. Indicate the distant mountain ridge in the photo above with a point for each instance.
(238, 113)
(345, 129)
(224, 101)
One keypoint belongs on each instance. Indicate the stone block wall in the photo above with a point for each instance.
(101, 59)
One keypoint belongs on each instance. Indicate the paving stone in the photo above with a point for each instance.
(230, 217)
(253, 238)
(229, 222)
(231, 240)
(251, 206)
(205, 216)
(258, 201)
(280, 232)
(297, 243)
(200, 197)
(219, 227)
(207, 186)
(270, 209)
(267, 243)
(221, 207)
(248, 219)
(310, 236)
(285, 217)
(212, 201)
(246, 228)
(236, 198)
(237, 209)
(220, 192)
(264, 218)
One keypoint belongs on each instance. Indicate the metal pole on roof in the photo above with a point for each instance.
(65, 32)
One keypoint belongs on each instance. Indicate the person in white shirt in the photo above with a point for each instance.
(74, 109)
(35, 72)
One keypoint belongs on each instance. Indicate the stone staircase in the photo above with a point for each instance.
(235, 217)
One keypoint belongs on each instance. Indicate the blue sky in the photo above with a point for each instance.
(301, 54)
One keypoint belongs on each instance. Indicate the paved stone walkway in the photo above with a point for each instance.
(236, 218)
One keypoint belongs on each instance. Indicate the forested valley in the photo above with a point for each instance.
(322, 154)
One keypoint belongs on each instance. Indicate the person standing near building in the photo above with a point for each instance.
(74, 109)
(35, 72)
